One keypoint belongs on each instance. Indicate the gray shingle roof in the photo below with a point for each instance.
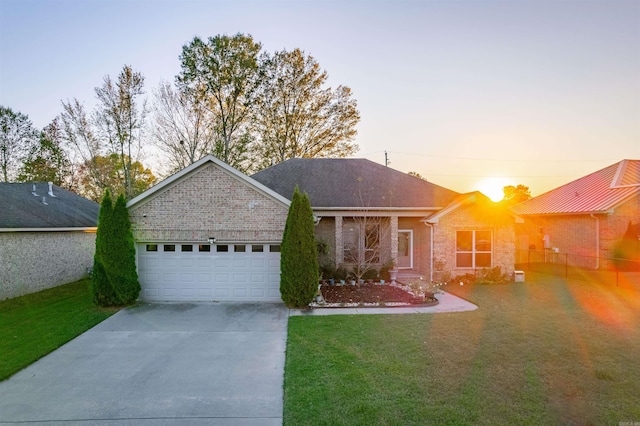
(351, 182)
(19, 208)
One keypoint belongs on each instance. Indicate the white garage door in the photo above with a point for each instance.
(219, 272)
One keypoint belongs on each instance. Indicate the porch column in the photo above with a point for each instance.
(394, 237)
(339, 244)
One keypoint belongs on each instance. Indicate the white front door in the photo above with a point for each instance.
(405, 249)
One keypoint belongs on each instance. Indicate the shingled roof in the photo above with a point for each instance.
(21, 209)
(598, 192)
(353, 183)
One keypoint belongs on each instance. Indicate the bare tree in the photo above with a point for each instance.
(363, 235)
(17, 136)
(183, 127)
(121, 120)
(116, 126)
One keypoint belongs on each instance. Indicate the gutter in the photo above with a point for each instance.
(85, 229)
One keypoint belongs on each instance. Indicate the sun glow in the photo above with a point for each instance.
(492, 187)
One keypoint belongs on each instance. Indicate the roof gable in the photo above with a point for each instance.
(353, 183)
(598, 192)
(193, 168)
(22, 207)
(492, 209)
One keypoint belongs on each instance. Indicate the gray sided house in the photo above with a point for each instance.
(210, 232)
(47, 237)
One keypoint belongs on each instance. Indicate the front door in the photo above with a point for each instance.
(405, 249)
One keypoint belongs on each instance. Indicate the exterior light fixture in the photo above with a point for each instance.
(212, 240)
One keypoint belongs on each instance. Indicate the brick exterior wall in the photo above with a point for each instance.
(474, 218)
(210, 202)
(34, 261)
(421, 243)
(580, 235)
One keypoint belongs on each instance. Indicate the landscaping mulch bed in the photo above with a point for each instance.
(369, 293)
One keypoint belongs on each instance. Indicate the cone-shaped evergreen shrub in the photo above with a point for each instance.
(121, 256)
(299, 256)
(114, 280)
(103, 292)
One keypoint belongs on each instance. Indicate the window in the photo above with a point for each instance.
(361, 242)
(257, 249)
(152, 247)
(169, 247)
(222, 248)
(274, 248)
(371, 243)
(187, 247)
(473, 249)
(240, 248)
(204, 247)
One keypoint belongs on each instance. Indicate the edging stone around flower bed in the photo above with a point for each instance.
(370, 295)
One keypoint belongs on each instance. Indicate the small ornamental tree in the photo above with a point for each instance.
(103, 292)
(299, 255)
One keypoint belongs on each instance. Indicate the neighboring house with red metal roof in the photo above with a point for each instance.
(583, 218)
(47, 237)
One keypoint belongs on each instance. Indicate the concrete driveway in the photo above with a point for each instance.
(192, 364)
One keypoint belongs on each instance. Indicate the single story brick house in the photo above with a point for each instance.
(582, 220)
(47, 237)
(209, 232)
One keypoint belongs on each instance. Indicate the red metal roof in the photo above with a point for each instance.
(597, 192)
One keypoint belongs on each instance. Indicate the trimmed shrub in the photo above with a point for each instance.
(299, 254)
(121, 259)
(114, 280)
(103, 293)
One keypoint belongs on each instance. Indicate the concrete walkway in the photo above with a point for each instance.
(448, 303)
(191, 364)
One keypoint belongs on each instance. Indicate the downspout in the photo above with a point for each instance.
(597, 240)
(432, 230)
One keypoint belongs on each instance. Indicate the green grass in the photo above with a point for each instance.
(31, 326)
(547, 352)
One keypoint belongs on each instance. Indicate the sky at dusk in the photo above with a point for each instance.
(531, 92)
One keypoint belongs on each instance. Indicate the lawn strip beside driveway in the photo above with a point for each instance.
(220, 363)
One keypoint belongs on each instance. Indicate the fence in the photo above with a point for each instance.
(576, 265)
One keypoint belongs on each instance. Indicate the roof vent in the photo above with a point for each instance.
(33, 192)
(44, 201)
(51, 189)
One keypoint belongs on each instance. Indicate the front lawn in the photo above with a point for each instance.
(548, 351)
(31, 326)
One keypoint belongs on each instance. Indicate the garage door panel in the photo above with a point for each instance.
(208, 276)
(205, 293)
(240, 293)
(258, 278)
(241, 261)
